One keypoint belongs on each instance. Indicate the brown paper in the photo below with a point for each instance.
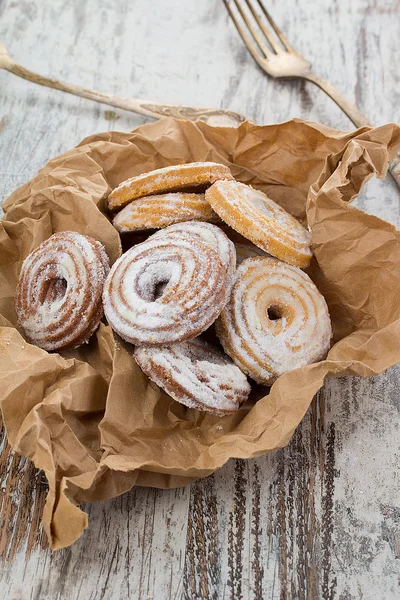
(89, 417)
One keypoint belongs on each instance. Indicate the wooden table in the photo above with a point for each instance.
(318, 519)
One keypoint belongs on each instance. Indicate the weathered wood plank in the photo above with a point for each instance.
(319, 519)
(132, 548)
(23, 494)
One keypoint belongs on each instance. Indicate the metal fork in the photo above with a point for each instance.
(276, 57)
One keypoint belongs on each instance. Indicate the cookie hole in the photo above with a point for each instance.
(274, 313)
(160, 289)
(53, 289)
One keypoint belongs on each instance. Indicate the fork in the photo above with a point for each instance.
(212, 116)
(277, 58)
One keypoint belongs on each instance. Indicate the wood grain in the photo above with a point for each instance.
(19, 479)
(318, 519)
(213, 116)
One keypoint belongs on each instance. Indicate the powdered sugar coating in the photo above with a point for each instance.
(143, 310)
(262, 221)
(195, 374)
(276, 320)
(161, 210)
(208, 234)
(167, 179)
(58, 296)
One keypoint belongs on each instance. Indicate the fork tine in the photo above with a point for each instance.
(266, 51)
(276, 29)
(250, 46)
(265, 31)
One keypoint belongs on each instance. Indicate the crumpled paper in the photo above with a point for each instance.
(90, 418)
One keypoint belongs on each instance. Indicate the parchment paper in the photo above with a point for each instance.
(89, 417)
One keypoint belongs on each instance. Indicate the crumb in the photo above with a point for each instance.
(110, 115)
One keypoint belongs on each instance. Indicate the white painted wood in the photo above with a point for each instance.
(210, 540)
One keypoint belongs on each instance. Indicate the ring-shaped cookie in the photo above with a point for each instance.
(162, 210)
(195, 374)
(261, 220)
(166, 289)
(276, 320)
(167, 179)
(208, 234)
(58, 296)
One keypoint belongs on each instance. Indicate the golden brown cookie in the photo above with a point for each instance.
(167, 289)
(162, 210)
(208, 234)
(195, 374)
(276, 320)
(167, 179)
(58, 296)
(262, 221)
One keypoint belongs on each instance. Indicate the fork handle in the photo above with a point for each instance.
(349, 109)
(354, 115)
(149, 109)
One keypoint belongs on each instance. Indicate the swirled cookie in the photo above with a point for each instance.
(58, 296)
(208, 234)
(195, 374)
(276, 320)
(167, 289)
(262, 221)
(162, 210)
(167, 179)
